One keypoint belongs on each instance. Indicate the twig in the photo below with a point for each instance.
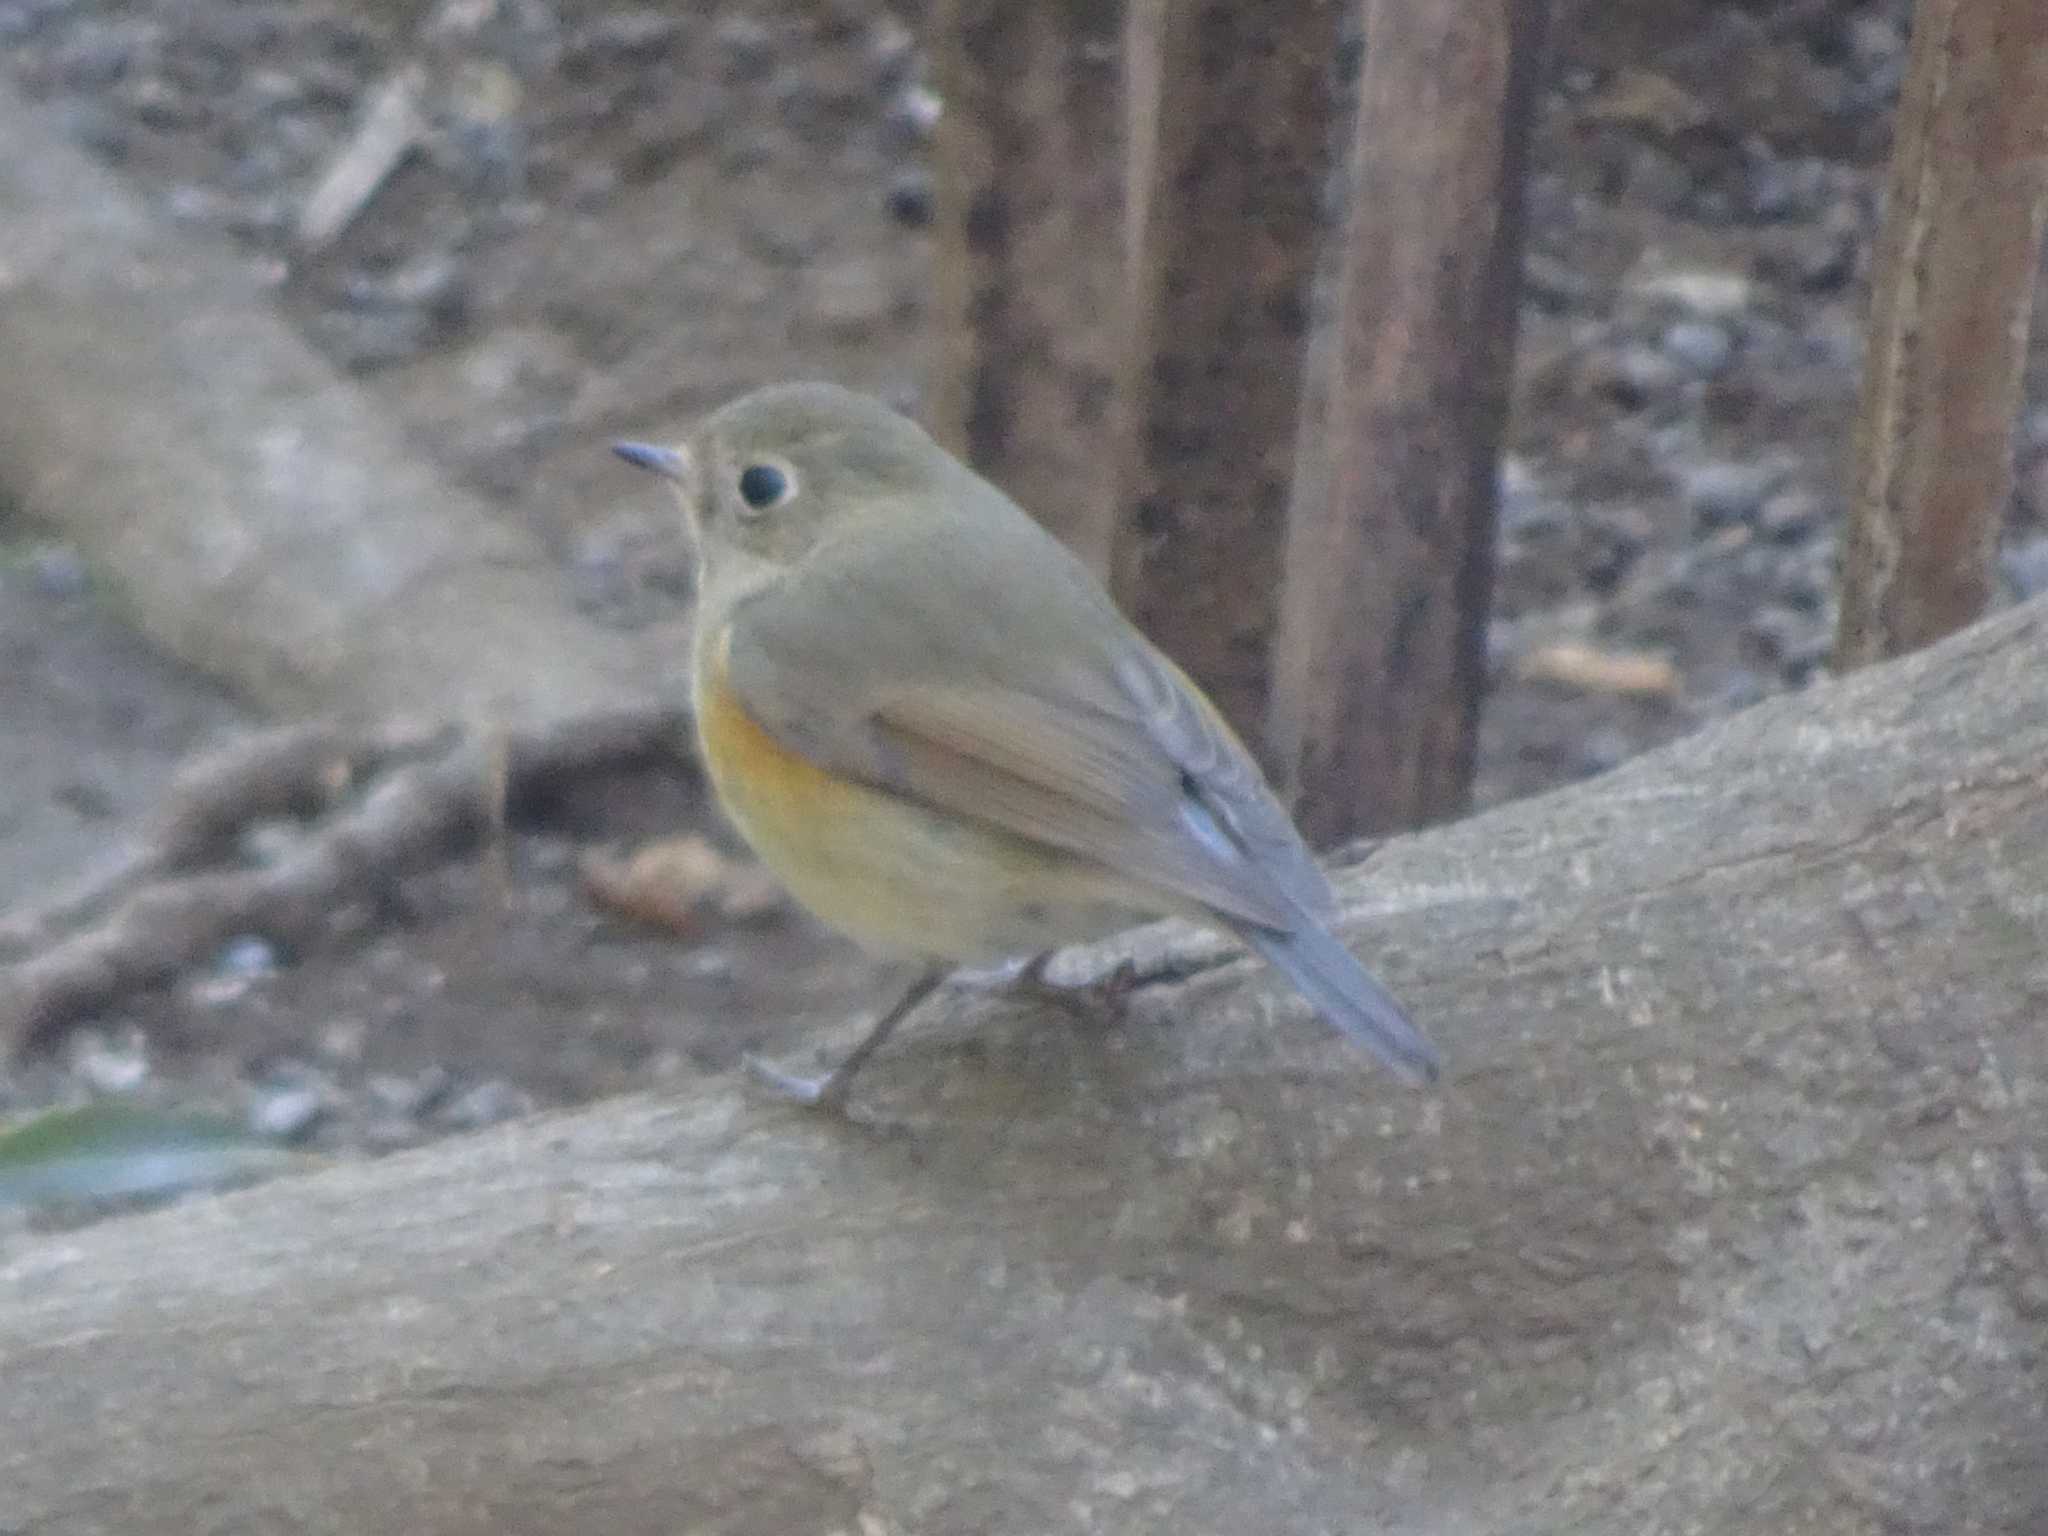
(390, 129)
(417, 814)
(293, 770)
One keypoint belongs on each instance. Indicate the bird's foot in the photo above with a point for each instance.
(1104, 1001)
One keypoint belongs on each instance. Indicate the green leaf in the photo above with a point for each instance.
(111, 1150)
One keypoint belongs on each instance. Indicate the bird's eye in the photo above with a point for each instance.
(764, 485)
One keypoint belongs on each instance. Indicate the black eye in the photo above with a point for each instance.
(763, 486)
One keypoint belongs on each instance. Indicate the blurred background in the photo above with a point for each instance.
(611, 217)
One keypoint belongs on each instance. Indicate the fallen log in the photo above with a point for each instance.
(253, 510)
(1731, 1215)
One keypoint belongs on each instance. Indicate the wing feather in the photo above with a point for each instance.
(1045, 722)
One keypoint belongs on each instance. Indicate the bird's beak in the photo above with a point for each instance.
(669, 463)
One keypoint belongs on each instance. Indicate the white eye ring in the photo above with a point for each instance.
(764, 485)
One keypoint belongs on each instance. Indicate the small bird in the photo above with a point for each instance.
(929, 719)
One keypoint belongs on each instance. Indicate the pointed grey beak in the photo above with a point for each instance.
(669, 463)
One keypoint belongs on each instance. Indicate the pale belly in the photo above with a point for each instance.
(900, 880)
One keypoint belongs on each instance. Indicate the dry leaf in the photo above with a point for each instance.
(1635, 674)
(668, 883)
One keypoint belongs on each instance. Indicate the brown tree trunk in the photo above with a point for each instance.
(1029, 265)
(1228, 137)
(1931, 466)
(1380, 662)
(1731, 1216)
(256, 513)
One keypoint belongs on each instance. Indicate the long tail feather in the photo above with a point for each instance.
(1345, 993)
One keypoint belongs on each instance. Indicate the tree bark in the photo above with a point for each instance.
(1380, 662)
(1028, 273)
(1732, 1215)
(255, 513)
(1228, 145)
(1952, 296)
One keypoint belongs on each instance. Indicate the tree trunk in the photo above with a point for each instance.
(1731, 1216)
(256, 514)
(1381, 659)
(1931, 466)
(1029, 267)
(1228, 156)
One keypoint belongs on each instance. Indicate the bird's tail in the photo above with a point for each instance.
(1345, 993)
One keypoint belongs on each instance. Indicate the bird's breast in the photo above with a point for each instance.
(894, 875)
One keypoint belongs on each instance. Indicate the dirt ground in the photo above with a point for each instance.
(628, 213)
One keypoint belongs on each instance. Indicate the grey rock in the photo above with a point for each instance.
(58, 570)
(1701, 346)
(489, 1102)
(910, 199)
(112, 1066)
(1725, 491)
(2025, 564)
(1603, 748)
(1633, 375)
(747, 46)
(639, 33)
(287, 1112)
(247, 955)
(1790, 516)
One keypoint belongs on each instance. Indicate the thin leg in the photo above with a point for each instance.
(829, 1091)
(1092, 1002)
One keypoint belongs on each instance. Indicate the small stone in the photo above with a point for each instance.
(910, 199)
(388, 1133)
(288, 1112)
(1816, 258)
(1741, 688)
(1555, 285)
(751, 894)
(58, 570)
(1703, 346)
(1789, 516)
(488, 1103)
(1631, 376)
(2025, 564)
(711, 963)
(88, 797)
(1874, 42)
(96, 57)
(892, 49)
(362, 342)
(597, 564)
(1702, 292)
(1782, 190)
(111, 1066)
(98, 128)
(409, 1097)
(641, 33)
(2031, 489)
(248, 955)
(915, 113)
(748, 47)
(1503, 644)
(1792, 642)
(341, 1041)
(1727, 491)
(1603, 748)
(850, 298)
(194, 204)
(269, 843)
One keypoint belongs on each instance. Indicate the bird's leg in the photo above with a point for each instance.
(1093, 1002)
(829, 1090)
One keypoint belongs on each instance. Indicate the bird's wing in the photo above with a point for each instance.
(1042, 720)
